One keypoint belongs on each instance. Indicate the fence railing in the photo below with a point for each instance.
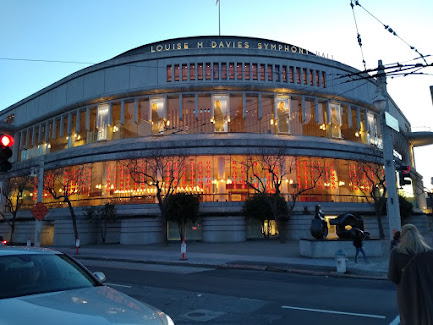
(202, 197)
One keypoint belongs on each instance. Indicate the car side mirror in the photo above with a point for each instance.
(100, 276)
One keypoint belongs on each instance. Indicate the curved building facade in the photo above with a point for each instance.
(216, 103)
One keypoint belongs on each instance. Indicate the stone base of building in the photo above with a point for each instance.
(323, 248)
(141, 231)
(224, 229)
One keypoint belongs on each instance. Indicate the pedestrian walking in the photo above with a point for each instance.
(357, 242)
(396, 239)
(411, 269)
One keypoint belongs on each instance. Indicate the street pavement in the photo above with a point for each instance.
(265, 255)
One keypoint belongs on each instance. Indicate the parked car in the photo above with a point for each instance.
(49, 287)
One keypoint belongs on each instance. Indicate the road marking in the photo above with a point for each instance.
(396, 321)
(333, 312)
(117, 285)
(179, 269)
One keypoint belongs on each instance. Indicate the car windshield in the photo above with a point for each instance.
(22, 275)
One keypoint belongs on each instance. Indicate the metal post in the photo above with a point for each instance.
(38, 224)
(392, 203)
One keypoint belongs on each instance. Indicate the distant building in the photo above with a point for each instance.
(217, 101)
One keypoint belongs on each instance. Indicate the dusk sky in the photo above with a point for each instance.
(44, 41)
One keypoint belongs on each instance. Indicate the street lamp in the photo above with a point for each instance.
(381, 103)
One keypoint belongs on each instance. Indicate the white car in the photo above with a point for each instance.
(44, 286)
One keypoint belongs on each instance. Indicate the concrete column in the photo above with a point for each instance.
(47, 131)
(62, 126)
(40, 134)
(87, 118)
(69, 124)
(304, 110)
(53, 135)
(349, 115)
(122, 112)
(180, 106)
(316, 111)
(33, 135)
(136, 110)
(78, 121)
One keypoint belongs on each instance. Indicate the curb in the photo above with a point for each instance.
(253, 267)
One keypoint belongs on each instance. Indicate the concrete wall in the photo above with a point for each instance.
(139, 224)
(64, 233)
(25, 230)
(141, 231)
(223, 229)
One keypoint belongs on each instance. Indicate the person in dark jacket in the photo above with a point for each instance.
(357, 242)
(411, 269)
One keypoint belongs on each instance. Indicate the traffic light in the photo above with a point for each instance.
(404, 175)
(6, 141)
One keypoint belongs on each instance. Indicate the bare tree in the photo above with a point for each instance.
(64, 183)
(13, 193)
(277, 166)
(369, 179)
(164, 173)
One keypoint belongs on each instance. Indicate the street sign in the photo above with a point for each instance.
(391, 121)
(39, 211)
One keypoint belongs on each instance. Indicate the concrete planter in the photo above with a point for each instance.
(327, 248)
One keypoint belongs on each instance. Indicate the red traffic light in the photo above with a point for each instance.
(6, 140)
(405, 170)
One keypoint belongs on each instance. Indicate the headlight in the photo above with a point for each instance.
(166, 320)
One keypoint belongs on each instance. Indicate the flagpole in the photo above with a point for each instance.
(219, 17)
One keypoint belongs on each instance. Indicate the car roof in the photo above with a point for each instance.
(24, 250)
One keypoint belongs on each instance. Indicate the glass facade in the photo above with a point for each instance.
(213, 178)
(193, 113)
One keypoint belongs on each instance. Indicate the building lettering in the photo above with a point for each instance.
(225, 44)
(169, 47)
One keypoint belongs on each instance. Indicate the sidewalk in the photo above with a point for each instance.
(266, 255)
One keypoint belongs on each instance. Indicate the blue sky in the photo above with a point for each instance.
(96, 30)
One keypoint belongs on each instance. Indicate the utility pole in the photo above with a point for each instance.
(38, 224)
(381, 102)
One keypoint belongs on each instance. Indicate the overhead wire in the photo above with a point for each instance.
(358, 35)
(391, 30)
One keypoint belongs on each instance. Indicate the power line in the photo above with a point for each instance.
(46, 61)
(391, 30)
(358, 34)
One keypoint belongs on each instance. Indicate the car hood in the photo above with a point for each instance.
(96, 305)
